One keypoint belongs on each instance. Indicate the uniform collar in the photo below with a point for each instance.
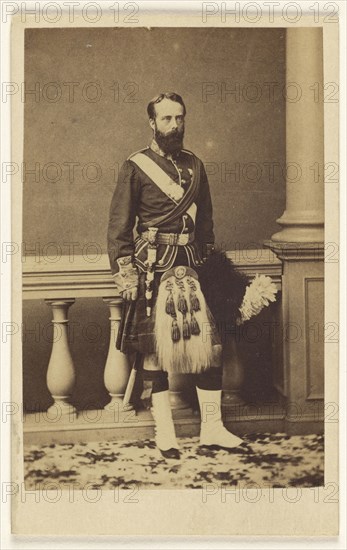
(155, 147)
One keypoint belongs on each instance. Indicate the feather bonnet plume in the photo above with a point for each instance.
(230, 297)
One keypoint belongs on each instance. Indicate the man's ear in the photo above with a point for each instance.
(152, 123)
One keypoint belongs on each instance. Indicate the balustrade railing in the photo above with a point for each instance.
(63, 282)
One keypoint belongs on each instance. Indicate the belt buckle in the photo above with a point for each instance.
(172, 239)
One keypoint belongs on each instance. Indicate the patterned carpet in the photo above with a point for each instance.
(264, 460)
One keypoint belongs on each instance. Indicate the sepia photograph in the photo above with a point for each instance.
(172, 257)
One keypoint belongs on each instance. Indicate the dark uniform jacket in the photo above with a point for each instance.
(138, 200)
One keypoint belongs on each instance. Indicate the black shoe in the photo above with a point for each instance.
(171, 453)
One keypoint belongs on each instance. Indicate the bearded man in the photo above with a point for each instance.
(166, 318)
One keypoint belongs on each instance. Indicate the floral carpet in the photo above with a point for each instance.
(263, 460)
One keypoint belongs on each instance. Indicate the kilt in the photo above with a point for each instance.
(136, 332)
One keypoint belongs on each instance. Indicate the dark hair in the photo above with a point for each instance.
(166, 95)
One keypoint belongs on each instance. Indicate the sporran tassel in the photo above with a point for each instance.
(175, 331)
(194, 301)
(170, 305)
(186, 329)
(182, 304)
(194, 326)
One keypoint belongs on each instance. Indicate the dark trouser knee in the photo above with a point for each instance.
(210, 379)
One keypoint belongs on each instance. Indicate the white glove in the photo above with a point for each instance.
(127, 278)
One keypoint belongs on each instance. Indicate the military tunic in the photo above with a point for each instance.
(137, 200)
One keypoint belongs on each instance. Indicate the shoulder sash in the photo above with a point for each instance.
(163, 181)
(158, 176)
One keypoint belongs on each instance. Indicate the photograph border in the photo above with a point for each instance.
(192, 517)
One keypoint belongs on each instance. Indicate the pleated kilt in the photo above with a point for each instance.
(136, 331)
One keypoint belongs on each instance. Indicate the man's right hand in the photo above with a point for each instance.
(127, 279)
(130, 294)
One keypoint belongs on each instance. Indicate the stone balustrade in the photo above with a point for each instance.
(62, 282)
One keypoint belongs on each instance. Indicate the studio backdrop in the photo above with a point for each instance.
(86, 93)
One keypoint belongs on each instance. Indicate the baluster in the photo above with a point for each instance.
(117, 368)
(61, 371)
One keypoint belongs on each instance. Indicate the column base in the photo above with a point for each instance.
(301, 226)
(299, 235)
(296, 250)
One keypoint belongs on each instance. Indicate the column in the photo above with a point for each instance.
(300, 242)
(61, 371)
(117, 368)
(303, 218)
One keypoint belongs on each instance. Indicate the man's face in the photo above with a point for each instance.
(168, 126)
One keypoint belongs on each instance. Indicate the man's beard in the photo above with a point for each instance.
(169, 143)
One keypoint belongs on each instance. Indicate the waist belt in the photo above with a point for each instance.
(172, 239)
